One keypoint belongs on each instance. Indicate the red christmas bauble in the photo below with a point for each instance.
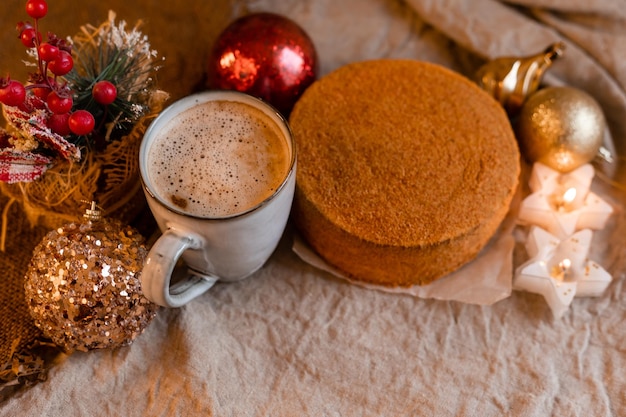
(265, 55)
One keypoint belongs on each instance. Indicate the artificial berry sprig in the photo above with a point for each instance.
(54, 60)
(61, 108)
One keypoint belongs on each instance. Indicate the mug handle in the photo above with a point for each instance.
(159, 267)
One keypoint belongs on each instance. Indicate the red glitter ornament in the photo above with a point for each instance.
(265, 55)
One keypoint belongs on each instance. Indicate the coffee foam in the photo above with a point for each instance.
(218, 158)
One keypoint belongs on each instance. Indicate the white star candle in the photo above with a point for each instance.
(560, 270)
(562, 203)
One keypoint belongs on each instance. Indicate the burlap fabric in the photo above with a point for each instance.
(23, 351)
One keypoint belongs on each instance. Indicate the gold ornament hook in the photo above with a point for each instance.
(93, 213)
(510, 80)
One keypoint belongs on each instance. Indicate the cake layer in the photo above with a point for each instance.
(405, 170)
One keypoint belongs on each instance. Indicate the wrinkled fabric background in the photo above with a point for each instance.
(295, 341)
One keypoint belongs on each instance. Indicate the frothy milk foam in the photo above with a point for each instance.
(218, 158)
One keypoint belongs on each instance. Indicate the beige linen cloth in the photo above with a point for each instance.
(295, 341)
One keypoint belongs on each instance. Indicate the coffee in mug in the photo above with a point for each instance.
(218, 171)
(238, 157)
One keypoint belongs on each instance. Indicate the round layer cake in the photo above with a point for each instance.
(405, 170)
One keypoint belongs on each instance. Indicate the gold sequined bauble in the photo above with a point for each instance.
(83, 285)
(562, 127)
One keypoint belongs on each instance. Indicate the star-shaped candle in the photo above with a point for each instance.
(560, 269)
(562, 203)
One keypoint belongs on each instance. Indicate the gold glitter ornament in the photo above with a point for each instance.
(83, 284)
(562, 127)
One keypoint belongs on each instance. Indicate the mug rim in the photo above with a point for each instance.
(192, 100)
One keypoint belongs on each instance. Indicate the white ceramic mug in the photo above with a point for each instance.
(225, 247)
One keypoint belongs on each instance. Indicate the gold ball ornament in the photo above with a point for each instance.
(561, 127)
(83, 285)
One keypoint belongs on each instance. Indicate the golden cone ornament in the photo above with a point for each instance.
(511, 80)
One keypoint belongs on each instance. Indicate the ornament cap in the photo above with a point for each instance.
(93, 213)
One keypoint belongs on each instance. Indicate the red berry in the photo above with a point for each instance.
(36, 8)
(59, 124)
(13, 94)
(62, 64)
(48, 52)
(104, 92)
(59, 104)
(27, 36)
(81, 122)
(41, 92)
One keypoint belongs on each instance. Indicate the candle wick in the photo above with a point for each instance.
(569, 196)
(563, 202)
(561, 270)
